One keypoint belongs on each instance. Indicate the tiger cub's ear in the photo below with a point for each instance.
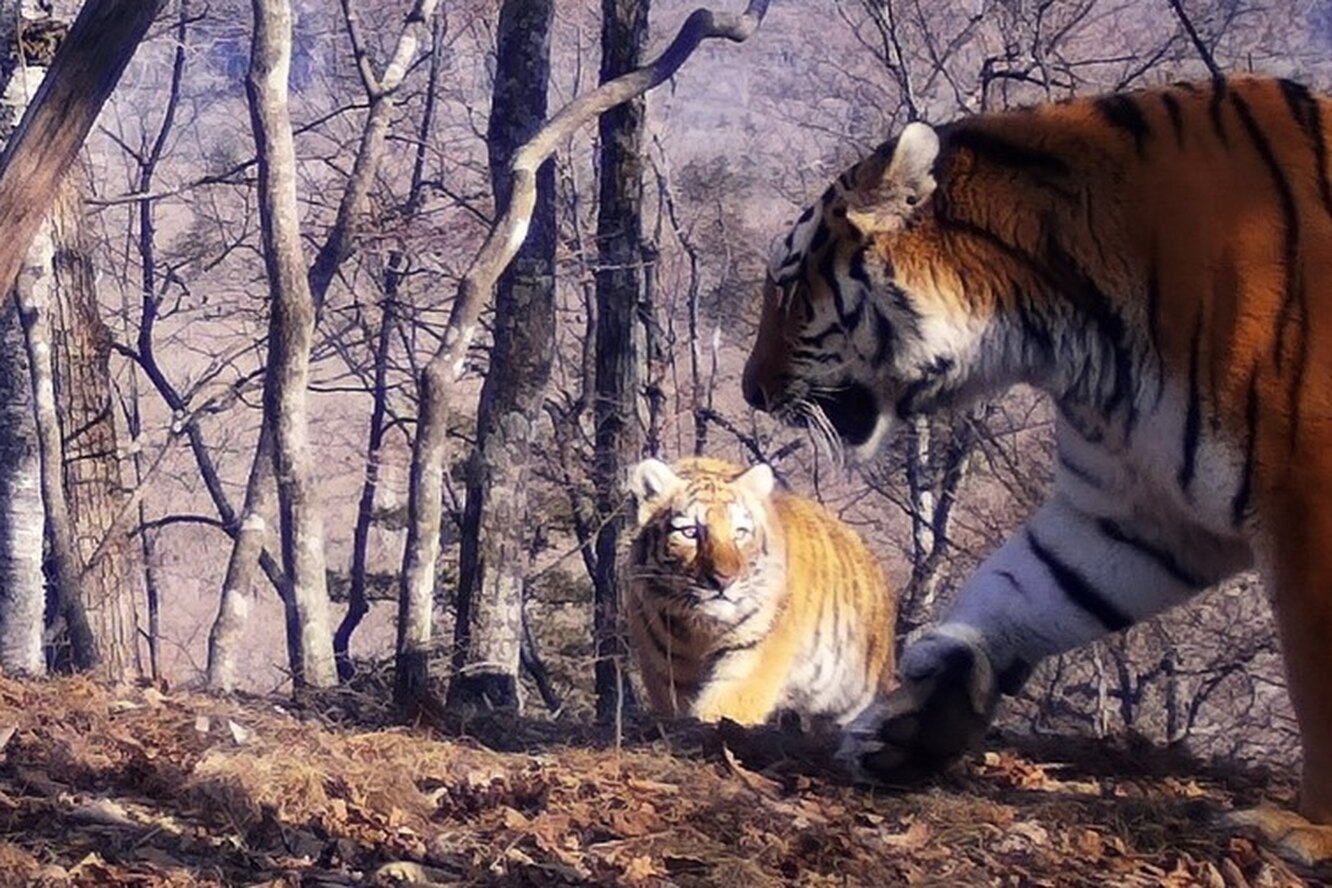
(905, 183)
(650, 482)
(758, 481)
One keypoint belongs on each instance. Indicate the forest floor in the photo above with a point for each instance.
(121, 787)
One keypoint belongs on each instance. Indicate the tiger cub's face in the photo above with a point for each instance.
(702, 538)
(853, 333)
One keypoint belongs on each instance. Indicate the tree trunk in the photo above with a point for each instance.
(22, 515)
(488, 633)
(358, 603)
(291, 333)
(34, 294)
(226, 639)
(94, 489)
(619, 333)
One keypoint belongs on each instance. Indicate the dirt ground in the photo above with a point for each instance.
(141, 787)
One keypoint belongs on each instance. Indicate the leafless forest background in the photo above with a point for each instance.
(734, 144)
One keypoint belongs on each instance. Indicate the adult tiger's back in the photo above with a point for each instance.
(742, 600)
(1159, 262)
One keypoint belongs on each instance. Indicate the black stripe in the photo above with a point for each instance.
(1092, 434)
(1123, 113)
(810, 356)
(1154, 323)
(1176, 116)
(955, 225)
(926, 391)
(1078, 589)
(1193, 416)
(802, 294)
(1218, 96)
(1012, 581)
(1083, 475)
(1300, 364)
(1293, 294)
(850, 317)
(883, 332)
(805, 216)
(1239, 506)
(1035, 330)
(997, 150)
(1308, 114)
(856, 270)
(820, 237)
(1163, 558)
(1076, 282)
(815, 340)
(721, 653)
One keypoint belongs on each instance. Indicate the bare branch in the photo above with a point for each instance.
(1203, 52)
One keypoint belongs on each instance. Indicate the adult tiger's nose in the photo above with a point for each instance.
(754, 393)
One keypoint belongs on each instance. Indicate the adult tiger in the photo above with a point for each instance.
(743, 599)
(1159, 262)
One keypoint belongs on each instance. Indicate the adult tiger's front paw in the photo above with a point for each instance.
(941, 709)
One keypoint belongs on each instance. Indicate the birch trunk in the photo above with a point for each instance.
(22, 514)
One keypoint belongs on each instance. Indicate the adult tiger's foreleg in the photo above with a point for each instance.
(1070, 576)
(1301, 576)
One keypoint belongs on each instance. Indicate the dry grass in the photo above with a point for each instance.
(137, 787)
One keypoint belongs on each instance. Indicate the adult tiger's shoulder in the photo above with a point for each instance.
(743, 599)
(1160, 263)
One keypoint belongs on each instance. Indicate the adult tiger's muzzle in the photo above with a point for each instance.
(852, 410)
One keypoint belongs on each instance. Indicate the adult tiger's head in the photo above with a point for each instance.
(864, 316)
(703, 534)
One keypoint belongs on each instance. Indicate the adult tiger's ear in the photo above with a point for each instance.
(905, 183)
(651, 481)
(758, 481)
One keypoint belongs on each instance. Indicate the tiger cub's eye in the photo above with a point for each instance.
(686, 531)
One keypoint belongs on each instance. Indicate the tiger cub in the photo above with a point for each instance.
(743, 600)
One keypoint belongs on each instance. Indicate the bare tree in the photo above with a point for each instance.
(488, 628)
(291, 332)
(619, 348)
(382, 91)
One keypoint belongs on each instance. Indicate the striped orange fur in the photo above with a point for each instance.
(743, 600)
(1160, 263)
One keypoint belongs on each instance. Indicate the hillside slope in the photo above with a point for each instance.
(144, 788)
